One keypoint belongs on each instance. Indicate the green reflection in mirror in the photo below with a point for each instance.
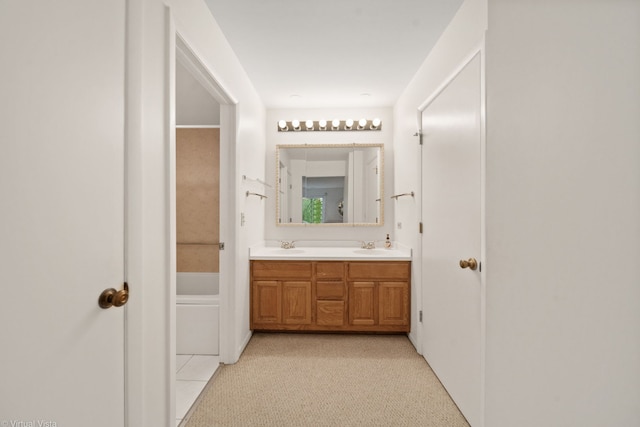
(312, 210)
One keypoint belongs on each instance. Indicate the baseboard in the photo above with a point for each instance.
(242, 346)
(414, 341)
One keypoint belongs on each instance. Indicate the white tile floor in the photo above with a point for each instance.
(192, 374)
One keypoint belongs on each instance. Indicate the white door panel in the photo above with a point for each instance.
(451, 211)
(62, 230)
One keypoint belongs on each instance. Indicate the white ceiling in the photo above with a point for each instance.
(332, 53)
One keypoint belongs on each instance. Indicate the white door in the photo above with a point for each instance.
(61, 228)
(451, 214)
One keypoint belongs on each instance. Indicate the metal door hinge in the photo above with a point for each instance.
(420, 316)
(419, 135)
(221, 246)
(420, 228)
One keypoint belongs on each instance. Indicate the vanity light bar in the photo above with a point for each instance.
(334, 125)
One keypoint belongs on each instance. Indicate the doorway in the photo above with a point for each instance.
(198, 239)
(209, 113)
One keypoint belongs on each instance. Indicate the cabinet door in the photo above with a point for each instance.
(362, 303)
(393, 300)
(266, 302)
(296, 303)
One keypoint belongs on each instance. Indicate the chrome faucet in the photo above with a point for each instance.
(287, 245)
(368, 245)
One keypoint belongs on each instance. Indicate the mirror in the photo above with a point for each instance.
(330, 184)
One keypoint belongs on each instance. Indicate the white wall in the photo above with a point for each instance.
(463, 35)
(384, 136)
(563, 213)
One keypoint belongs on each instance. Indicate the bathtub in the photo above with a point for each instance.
(197, 313)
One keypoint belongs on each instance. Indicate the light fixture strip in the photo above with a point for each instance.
(342, 125)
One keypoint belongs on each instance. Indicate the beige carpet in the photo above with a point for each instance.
(326, 380)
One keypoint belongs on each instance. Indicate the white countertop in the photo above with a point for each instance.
(338, 253)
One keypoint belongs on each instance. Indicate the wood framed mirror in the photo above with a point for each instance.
(330, 185)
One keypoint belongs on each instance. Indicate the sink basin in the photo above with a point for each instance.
(371, 251)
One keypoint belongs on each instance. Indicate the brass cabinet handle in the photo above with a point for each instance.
(112, 298)
(471, 263)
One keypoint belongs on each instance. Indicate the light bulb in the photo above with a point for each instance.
(322, 124)
(295, 124)
(335, 124)
(375, 123)
(309, 124)
(282, 124)
(348, 124)
(362, 123)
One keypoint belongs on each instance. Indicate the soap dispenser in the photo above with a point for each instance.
(387, 242)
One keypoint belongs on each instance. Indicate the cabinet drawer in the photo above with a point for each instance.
(330, 313)
(379, 270)
(330, 290)
(330, 270)
(281, 269)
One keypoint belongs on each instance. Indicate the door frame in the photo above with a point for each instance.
(481, 52)
(179, 48)
(228, 132)
(153, 291)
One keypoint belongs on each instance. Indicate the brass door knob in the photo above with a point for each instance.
(471, 263)
(112, 298)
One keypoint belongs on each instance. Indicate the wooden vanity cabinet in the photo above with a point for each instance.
(280, 294)
(379, 294)
(349, 296)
